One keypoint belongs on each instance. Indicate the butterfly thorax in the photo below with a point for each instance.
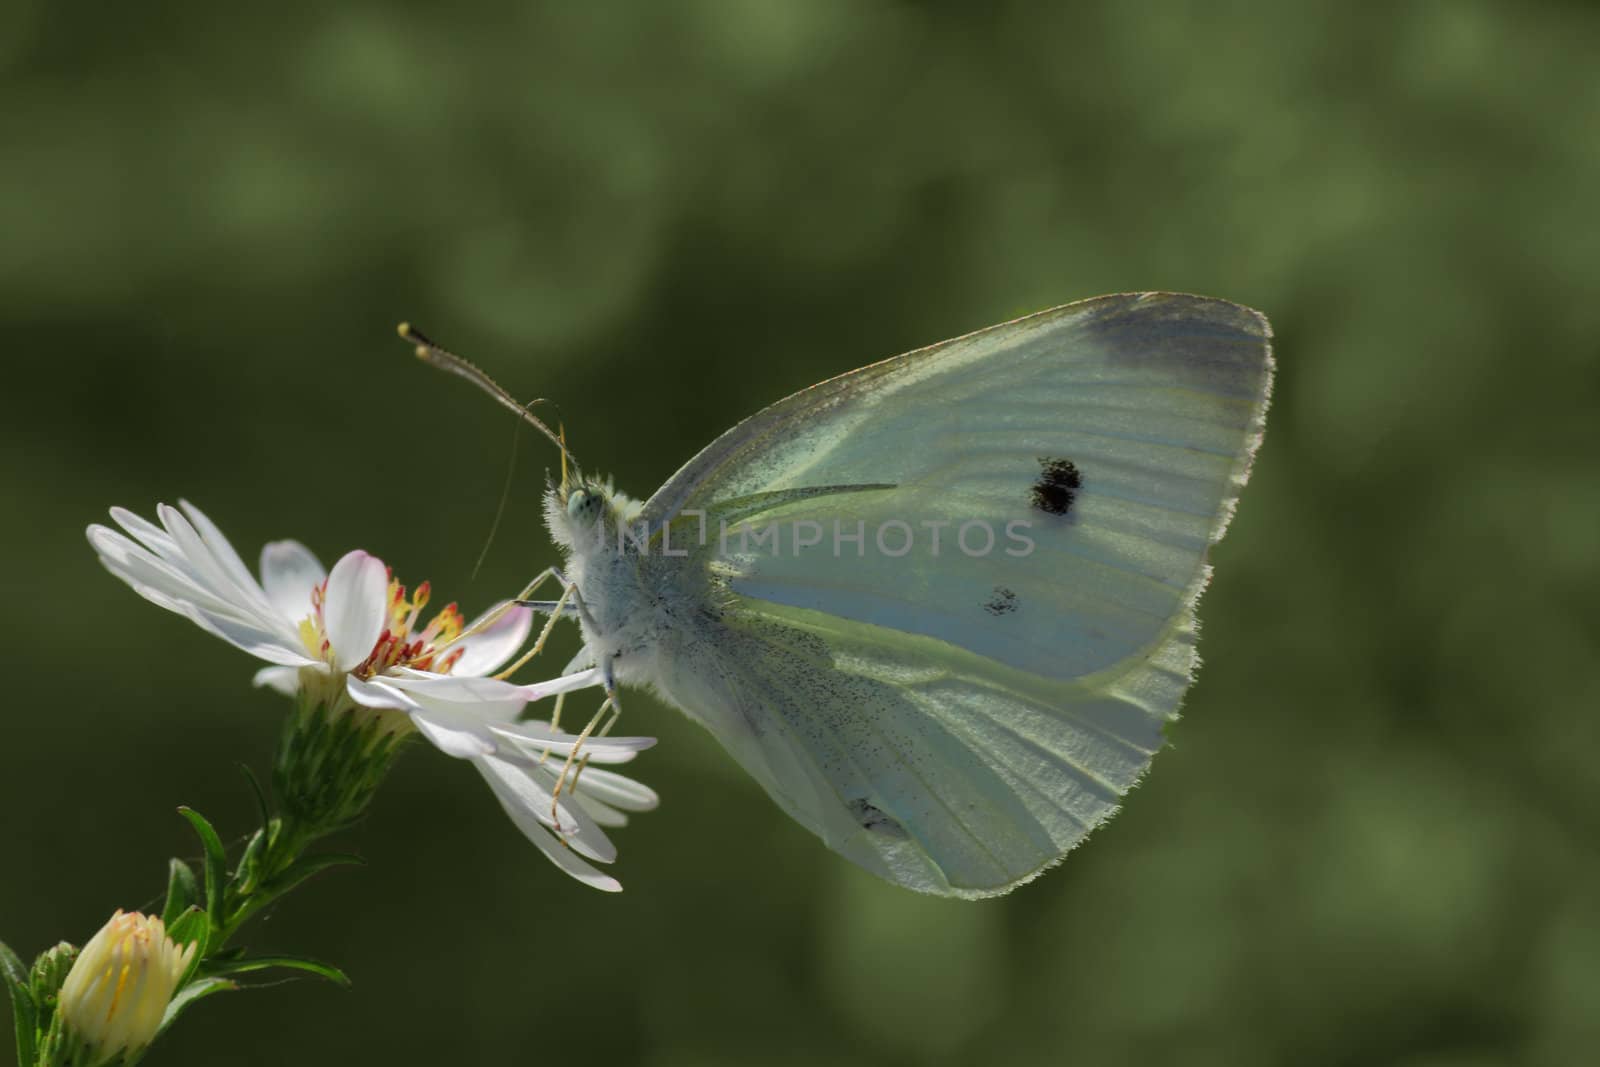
(633, 599)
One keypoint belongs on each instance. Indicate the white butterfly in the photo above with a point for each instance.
(953, 719)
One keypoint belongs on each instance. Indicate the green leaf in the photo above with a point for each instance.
(200, 987)
(216, 862)
(294, 963)
(261, 795)
(24, 1011)
(300, 870)
(246, 875)
(182, 892)
(11, 967)
(192, 927)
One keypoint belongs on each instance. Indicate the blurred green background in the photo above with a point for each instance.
(1374, 841)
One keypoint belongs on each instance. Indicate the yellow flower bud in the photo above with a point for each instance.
(119, 987)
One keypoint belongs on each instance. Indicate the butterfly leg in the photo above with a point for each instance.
(521, 599)
(576, 761)
(557, 609)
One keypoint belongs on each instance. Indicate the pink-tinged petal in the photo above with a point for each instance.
(289, 572)
(486, 649)
(547, 842)
(355, 607)
(376, 695)
(285, 680)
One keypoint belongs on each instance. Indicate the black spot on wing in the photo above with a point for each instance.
(1057, 487)
(875, 819)
(1004, 602)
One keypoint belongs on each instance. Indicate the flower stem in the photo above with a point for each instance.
(331, 759)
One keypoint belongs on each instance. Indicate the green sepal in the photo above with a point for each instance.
(24, 1010)
(216, 862)
(182, 892)
(329, 765)
(193, 927)
(293, 963)
(49, 971)
(200, 987)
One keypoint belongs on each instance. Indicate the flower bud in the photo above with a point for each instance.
(117, 991)
(50, 970)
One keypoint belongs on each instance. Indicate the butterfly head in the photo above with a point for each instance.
(579, 509)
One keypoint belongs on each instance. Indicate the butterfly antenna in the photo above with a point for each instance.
(448, 361)
(500, 508)
(561, 432)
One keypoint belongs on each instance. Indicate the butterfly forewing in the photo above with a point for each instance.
(957, 718)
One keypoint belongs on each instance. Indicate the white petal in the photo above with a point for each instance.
(456, 690)
(194, 566)
(156, 596)
(547, 843)
(566, 683)
(456, 713)
(355, 607)
(602, 813)
(533, 794)
(212, 571)
(486, 649)
(136, 564)
(460, 741)
(537, 738)
(151, 579)
(259, 643)
(459, 730)
(222, 549)
(152, 536)
(376, 695)
(615, 789)
(289, 572)
(285, 680)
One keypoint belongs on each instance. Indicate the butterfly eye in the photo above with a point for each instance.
(578, 502)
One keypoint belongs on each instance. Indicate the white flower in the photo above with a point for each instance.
(355, 633)
(119, 987)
